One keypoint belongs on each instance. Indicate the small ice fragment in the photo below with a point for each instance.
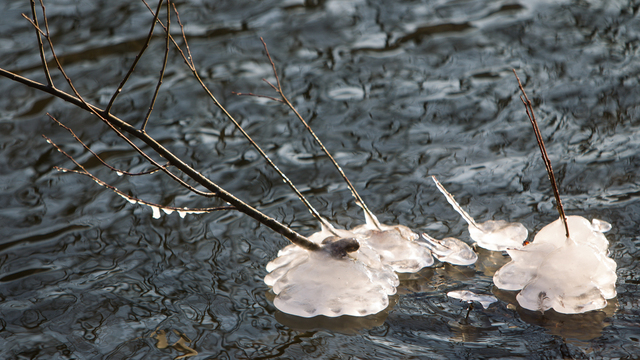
(182, 213)
(167, 211)
(601, 226)
(119, 173)
(156, 212)
(498, 235)
(470, 296)
(396, 245)
(450, 250)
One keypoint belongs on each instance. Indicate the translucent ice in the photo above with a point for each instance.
(495, 235)
(396, 245)
(571, 275)
(332, 281)
(451, 250)
(469, 296)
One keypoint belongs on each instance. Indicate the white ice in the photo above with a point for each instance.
(470, 296)
(312, 283)
(450, 250)
(571, 275)
(495, 235)
(396, 245)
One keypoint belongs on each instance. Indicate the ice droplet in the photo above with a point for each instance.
(156, 212)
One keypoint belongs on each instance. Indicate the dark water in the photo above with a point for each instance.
(397, 89)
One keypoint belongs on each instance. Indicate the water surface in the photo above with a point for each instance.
(398, 90)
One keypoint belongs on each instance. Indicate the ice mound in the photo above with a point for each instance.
(470, 296)
(495, 235)
(396, 245)
(571, 275)
(451, 250)
(333, 281)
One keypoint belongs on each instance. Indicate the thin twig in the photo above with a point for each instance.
(262, 153)
(257, 95)
(118, 171)
(129, 198)
(164, 66)
(354, 192)
(45, 67)
(136, 60)
(186, 44)
(543, 150)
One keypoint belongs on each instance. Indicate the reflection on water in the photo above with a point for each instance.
(398, 90)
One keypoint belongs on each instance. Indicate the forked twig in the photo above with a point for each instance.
(136, 60)
(354, 192)
(262, 153)
(543, 150)
(156, 207)
(164, 66)
(45, 67)
(104, 163)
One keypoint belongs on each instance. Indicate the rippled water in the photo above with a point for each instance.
(398, 90)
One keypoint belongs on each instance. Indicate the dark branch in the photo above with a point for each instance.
(543, 150)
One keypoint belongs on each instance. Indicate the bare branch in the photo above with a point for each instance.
(131, 199)
(543, 150)
(113, 121)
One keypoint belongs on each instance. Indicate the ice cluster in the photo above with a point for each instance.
(396, 245)
(571, 275)
(451, 250)
(495, 235)
(332, 281)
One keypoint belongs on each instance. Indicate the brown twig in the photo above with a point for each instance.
(129, 198)
(262, 153)
(354, 192)
(136, 60)
(543, 150)
(45, 67)
(119, 171)
(164, 66)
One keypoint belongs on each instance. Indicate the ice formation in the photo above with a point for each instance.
(333, 281)
(336, 280)
(571, 275)
(451, 250)
(470, 296)
(396, 245)
(495, 235)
